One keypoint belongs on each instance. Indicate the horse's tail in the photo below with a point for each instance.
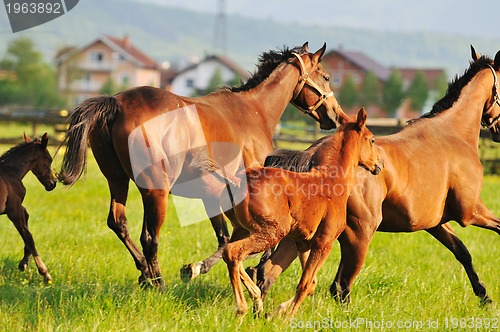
(96, 113)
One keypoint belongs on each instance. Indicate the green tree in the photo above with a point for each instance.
(348, 94)
(369, 94)
(440, 86)
(392, 93)
(108, 88)
(236, 81)
(215, 82)
(30, 81)
(418, 91)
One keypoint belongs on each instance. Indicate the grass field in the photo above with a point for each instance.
(410, 281)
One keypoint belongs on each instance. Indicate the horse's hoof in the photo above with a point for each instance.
(485, 300)
(22, 266)
(144, 282)
(258, 308)
(189, 272)
(47, 279)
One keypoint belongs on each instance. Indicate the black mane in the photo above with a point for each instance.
(292, 160)
(268, 62)
(455, 88)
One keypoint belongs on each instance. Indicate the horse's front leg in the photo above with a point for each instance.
(219, 224)
(19, 217)
(155, 210)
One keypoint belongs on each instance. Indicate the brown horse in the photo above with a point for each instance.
(32, 155)
(308, 208)
(168, 143)
(432, 175)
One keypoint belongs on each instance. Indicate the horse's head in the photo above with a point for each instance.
(491, 112)
(313, 94)
(42, 164)
(370, 157)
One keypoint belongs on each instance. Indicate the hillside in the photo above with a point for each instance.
(167, 33)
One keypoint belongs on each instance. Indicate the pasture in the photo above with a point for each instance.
(409, 282)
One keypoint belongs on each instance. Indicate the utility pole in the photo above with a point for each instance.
(220, 34)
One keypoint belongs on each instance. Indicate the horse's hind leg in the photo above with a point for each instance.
(445, 234)
(118, 183)
(484, 218)
(20, 219)
(155, 209)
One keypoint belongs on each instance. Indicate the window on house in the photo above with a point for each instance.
(96, 57)
(336, 81)
(190, 83)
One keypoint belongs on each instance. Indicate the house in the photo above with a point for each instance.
(342, 63)
(83, 71)
(194, 79)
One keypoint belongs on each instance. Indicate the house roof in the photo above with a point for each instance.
(364, 62)
(221, 59)
(122, 46)
(127, 47)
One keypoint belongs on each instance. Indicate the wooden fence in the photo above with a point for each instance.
(489, 151)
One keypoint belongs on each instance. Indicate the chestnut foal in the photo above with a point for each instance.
(309, 208)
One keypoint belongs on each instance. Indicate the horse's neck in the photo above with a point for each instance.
(340, 160)
(464, 117)
(17, 165)
(274, 94)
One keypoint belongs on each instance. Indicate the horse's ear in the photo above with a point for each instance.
(305, 47)
(27, 139)
(473, 53)
(319, 53)
(361, 121)
(45, 140)
(496, 62)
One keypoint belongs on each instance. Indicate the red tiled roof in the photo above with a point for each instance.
(125, 44)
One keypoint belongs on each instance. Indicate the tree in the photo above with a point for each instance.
(369, 90)
(418, 92)
(440, 86)
(348, 94)
(215, 82)
(30, 81)
(392, 93)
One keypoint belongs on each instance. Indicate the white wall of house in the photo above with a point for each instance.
(198, 77)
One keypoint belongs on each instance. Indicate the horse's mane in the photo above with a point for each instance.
(268, 62)
(455, 88)
(292, 160)
(12, 150)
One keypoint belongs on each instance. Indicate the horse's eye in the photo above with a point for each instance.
(327, 78)
(372, 141)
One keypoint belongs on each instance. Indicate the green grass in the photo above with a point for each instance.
(407, 278)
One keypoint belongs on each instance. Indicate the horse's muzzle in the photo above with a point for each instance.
(327, 124)
(51, 186)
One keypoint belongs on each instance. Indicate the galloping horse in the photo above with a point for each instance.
(32, 155)
(432, 175)
(164, 142)
(308, 208)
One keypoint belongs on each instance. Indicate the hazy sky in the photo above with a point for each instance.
(477, 17)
